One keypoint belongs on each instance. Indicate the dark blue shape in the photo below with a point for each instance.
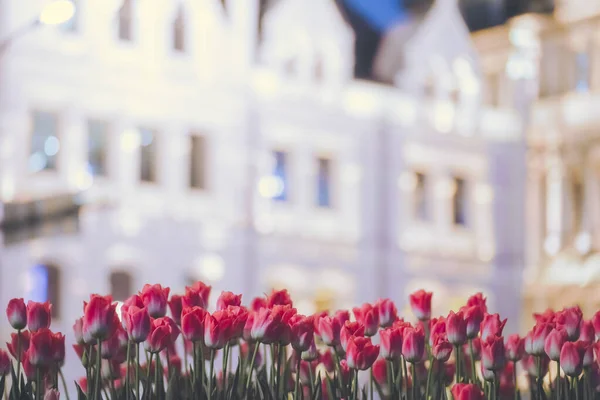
(379, 14)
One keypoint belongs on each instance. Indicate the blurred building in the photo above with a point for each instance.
(161, 141)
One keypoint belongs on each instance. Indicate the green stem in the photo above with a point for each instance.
(64, 383)
(355, 385)
(278, 383)
(312, 380)
(201, 363)
(415, 385)
(473, 372)
(495, 386)
(210, 377)
(557, 380)
(225, 361)
(371, 383)
(98, 372)
(112, 381)
(137, 372)
(575, 382)
(38, 384)
(18, 358)
(515, 380)
(252, 360)
(156, 372)
(538, 361)
(390, 377)
(458, 364)
(127, 370)
(441, 387)
(429, 377)
(338, 371)
(297, 385)
(148, 382)
(159, 377)
(405, 371)
(87, 355)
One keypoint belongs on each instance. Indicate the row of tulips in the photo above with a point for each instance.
(268, 351)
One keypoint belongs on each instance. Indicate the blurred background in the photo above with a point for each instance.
(346, 150)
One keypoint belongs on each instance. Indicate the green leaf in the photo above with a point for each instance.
(233, 386)
(316, 394)
(379, 389)
(14, 389)
(80, 394)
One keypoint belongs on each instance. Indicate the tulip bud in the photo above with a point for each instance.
(40, 348)
(587, 333)
(279, 298)
(83, 384)
(368, 316)
(571, 358)
(303, 333)
(58, 348)
(14, 344)
(78, 331)
(175, 306)
(596, 324)
(192, 323)
(478, 300)
(413, 345)
(361, 353)
(463, 391)
(217, 329)
(38, 315)
(380, 374)
(388, 313)
(158, 337)
(330, 330)
(5, 363)
(16, 311)
(515, 348)
(391, 343)
(100, 318)
(437, 326)
(588, 354)
(456, 329)
(473, 317)
(554, 343)
(196, 295)
(492, 353)
(155, 298)
(491, 326)
(420, 303)
(441, 349)
(350, 329)
(536, 339)
(228, 299)
(569, 319)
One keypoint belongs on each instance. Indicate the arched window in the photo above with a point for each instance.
(179, 30)
(120, 285)
(125, 21)
(44, 284)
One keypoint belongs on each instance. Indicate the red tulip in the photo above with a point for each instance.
(16, 311)
(388, 313)
(536, 339)
(473, 317)
(110, 347)
(83, 384)
(456, 328)
(196, 295)
(28, 368)
(239, 315)
(350, 329)
(5, 363)
(391, 340)
(596, 324)
(571, 358)
(38, 315)
(41, 348)
(137, 323)
(159, 336)
(529, 363)
(217, 329)
(155, 298)
(548, 316)
(100, 319)
(463, 391)
(14, 344)
(554, 343)
(570, 320)
(58, 348)
(488, 374)
(515, 348)
(330, 329)
(228, 299)
(441, 349)
(588, 354)
(52, 394)
(303, 333)
(491, 326)
(192, 323)
(266, 326)
(380, 373)
(258, 303)
(279, 298)
(361, 353)
(476, 354)
(478, 300)
(493, 356)
(311, 354)
(437, 326)
(420, 303)
(78, 331)
(413, 345)
(368, 316)
(587, 333)
(176, 308)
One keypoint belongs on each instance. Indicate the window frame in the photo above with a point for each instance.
(121, 272)
(59, 125)
(332, 182)
(427, 193)
(287, 198)
(156, 154)
(466, 201)
(193, 135)
(106, 172)
(131, 38)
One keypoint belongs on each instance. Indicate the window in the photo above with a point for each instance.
(583, 72)
(45, 145)
(179, 30)
(97, 147)
(198, 162)
(324, 183)
(459, 202)
(280, 175)
(71, 24)
(44, 284)
(578, 204)
(125, 21)
(148, 155)
(120, 285)
(421, 203)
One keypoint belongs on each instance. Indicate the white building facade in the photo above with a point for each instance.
(200, 152)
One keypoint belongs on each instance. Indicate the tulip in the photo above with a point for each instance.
(28, 368)
(548, 316)
(330, 330)
(83, 384)
(380, 374)
(587, 332)
(361, 353)
(478, 300)
(99, 320)
(78, 331)
(488, 374)
(420, 303)
(176, 307)
(311, 354)
(571, 358)
(464, 391)
(257, 303)
(266, 326)
(413, 345)
(24, 337)
(58, 348)
(16, 311)
(350, 329)
(554, 343)
(473, 317)
(368, 316)
(192, 323)
(239, 315)
(529, 363)
(476, 346)
(5, 364)
(515, 348)
(491, 326)
(279, 298)
(456, 329)
(588, 353)
(155, 298)
(38, 315)
(437, 326)
(159, 336)
(441, 349)
(388, 313)
(217, 329)
(228, 299)
(326, 358)
(137, 324)
(391, 340)
(570, 320)
(196, 295)
(303, 333)
(52, 394)
(492, 353)
(536, 339)
(596, 324)
(41, 348)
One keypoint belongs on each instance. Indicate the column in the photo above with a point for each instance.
(555, 204)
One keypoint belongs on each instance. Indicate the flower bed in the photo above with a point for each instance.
(268, 351)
